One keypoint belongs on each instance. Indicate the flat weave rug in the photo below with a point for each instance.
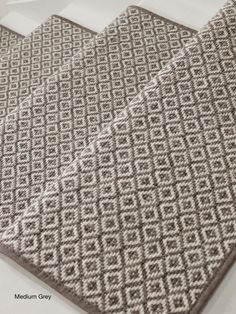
(26, 65)
(23, 68)
(52, 126)
(143, 220)
(8, 38)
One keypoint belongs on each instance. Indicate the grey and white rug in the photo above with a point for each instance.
(143, 220)
(26, 65)
(52, 126)
(8, 38)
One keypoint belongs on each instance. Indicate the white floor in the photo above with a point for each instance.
(95, 14)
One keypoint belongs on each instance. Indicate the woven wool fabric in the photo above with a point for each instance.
(54, 124)
(26, 65)
(8, 38)
(144, 220)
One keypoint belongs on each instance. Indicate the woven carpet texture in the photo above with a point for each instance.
(26, 65)
(8, 38)
(52, 126)
(123, 167)
(23, 69)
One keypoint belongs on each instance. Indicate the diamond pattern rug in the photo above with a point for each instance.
(56, 122)
(26, 65)
(8, 38)
(144, 220)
